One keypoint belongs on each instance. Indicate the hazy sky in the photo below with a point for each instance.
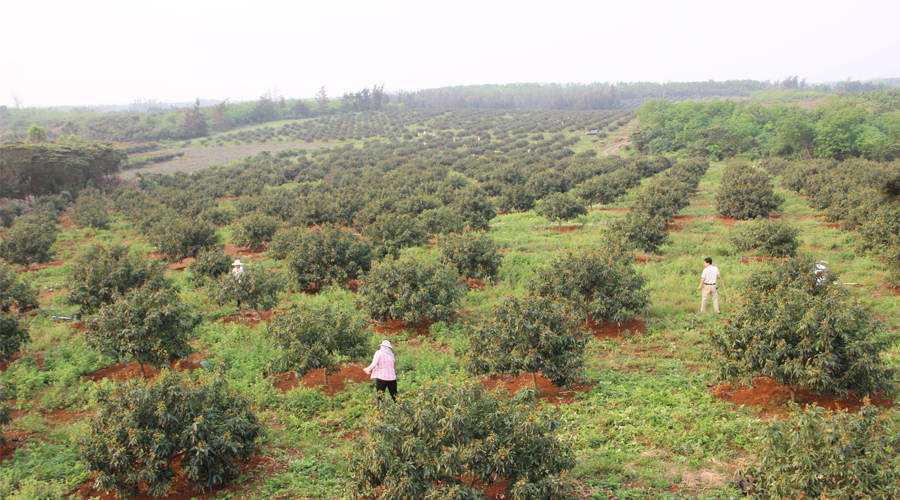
(113, 52)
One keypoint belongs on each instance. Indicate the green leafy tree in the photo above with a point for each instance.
(805, 332)
(474, 254)
(103, 273)
(815, 453)
(285, 241)
(255, 230)
(442, 220)
(194, 124)
(5, 411)
(15, 293)
(640, 231)
(29, 241)
(145, 325)
(258, 287)
(475, 207)
(411, 289)
(178, 239)
(516, 198)
(90, 210)
(745, 193)
(391, 232)
(8, 213)
(329, 254)
(143, 427)
(37, 133)
(51, 167)
(311, 337)
(210, 263)
(12, 336)
(560, 207)
(773, 238)
(529, 335)
(601, 285)
(432, 445)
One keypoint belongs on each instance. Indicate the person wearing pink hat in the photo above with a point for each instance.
(382, 371)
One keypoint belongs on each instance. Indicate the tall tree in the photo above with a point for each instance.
(194, 123)
(322, 99)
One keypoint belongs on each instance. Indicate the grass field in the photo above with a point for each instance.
(648, 427)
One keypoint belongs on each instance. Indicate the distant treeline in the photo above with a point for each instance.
(49, 168)
(843, 127)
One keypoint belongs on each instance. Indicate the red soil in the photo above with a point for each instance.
(728, 222)
(122, 371)
(605, 331)
(643, 259)
(181, 489)
(549, 392)
(63, 416)
(833, 225)
(773, 397)
(474, 284)
(397, 325)
(241, 251)
(66, 221)
(561, 229)
(45, 265)
(611, 209)
(353, 286)
(895, 291)
(38, 361)
(674, 227)
(249, 318)
(181, 266)
(14, 441)
(315, 379)
(747, 259)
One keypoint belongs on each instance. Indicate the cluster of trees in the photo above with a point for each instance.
(34, 169)
(841, 128)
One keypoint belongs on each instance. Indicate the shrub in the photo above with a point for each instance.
(255, 230)
(28, 242)
(145, 325)
(529, 335)
(600, 189)
(12, 336)
(15, 293)
(881, 228)
(412, 290)
(559, 207)
(745, 193)
(600, 285)
(475, 207)
(90, 210)
(257, 286)
(640, 231)
(391, 232)
(773, 238)
(804, 333)
(101, 274)
(516, 198)
(285, 241)
(218, 216)
(144, 427)
(8, 213)
(442, 220)
(209, 264)
(177, 239)
(408, 451)
(549, 182)
(329, 254)
(473, 254)
(311, 337)
(817, 453)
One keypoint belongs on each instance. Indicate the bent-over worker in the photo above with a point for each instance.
(709, 280)
(382, 371)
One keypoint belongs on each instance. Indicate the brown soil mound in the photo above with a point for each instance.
(249, 318)
(604, 331)
(315, 379)
(674, 227)
(181, 489)
(549, 392)
(643, 259)
(895, 291)
(122, 371)
(181, 266)
(353, 286)
(474, 284)
(686, 219)
(14, 441)
(833, 225)
(38, 361)
(390, 326)
(45, 265)
(773, 398)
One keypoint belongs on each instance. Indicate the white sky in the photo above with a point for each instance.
(112, 52)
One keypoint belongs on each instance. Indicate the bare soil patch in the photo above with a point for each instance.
(241, 251)
(44, 265)
(38, 361)
(315, 379)
(560, 229)
(390, 326)
(14, 441)
(605, 331)
(249, 318)
(644, 259)
(120, 372)
(687, 219)
(549, 392)
(773, 397)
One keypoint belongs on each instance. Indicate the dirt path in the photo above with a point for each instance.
(611, 150)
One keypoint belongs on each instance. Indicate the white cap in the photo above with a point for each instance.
(386, 343)
(237, 263)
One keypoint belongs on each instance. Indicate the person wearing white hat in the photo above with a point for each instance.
(382, 371)
(237, 269)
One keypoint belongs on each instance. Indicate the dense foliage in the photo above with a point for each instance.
(773, 238)
(103, 273)
(600, 285)
(16, 294)
(473, 253)
(529, 335)
(454, 442)
(411, 289)
(327, 254)
(311, 337)
(178, 239)
(258, 287)
(804, 331)
(559, 207)
(150, 326)
(822, 454)
(210, 263)
(90, 209)
(255, 230)
(29, 241)
(143, 428)
(32, 169)
(745, 193)
(12, 335)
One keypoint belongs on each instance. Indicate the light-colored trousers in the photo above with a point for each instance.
(710, 291)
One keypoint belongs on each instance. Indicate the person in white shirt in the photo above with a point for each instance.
(237, 269)
(709, 280)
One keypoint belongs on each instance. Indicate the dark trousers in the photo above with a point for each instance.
(390, 385)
